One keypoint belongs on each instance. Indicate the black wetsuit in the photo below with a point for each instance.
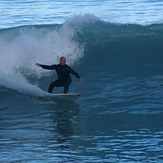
(64, 78)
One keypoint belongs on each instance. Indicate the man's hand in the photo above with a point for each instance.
(81, 80)
(37, 64)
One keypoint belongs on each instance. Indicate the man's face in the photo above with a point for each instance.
(63, 61)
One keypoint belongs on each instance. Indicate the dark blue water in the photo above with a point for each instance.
(118, 117)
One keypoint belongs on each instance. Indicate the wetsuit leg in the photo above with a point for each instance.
(66, 86)
(51, 87)
(56, 83)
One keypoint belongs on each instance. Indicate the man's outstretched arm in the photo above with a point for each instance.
(76, 75)
(52, 67)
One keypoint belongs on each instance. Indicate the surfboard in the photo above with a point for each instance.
(67, 97)
(62, 97)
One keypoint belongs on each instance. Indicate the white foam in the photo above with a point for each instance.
(19, 83)
(82, 19)
(20, 53)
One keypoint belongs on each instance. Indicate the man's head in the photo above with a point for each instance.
(63, 61)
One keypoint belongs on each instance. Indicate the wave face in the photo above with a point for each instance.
(91, 45)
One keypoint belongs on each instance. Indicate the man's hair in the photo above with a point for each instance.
(62, 58)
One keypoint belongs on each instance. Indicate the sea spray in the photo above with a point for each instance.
(23, 46)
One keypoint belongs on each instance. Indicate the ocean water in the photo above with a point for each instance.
(116, 46)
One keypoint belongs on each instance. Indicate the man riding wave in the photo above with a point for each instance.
(63, 73)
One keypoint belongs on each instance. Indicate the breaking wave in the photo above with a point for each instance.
(85, 40)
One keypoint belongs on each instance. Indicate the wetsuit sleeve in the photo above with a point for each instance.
(74, 73)
(52, 67)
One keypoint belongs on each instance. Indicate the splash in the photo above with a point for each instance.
(24, 46)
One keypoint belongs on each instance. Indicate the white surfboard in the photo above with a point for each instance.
(67, 97)
(62, 97)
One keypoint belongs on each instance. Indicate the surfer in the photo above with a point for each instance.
(63, 73)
